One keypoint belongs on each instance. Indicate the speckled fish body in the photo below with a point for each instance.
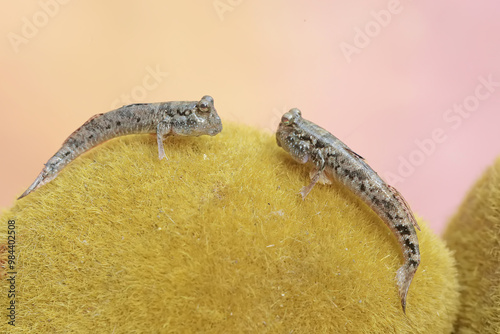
(332, 159)
(181, 118)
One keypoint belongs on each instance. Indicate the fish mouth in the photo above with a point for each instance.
(278, 141)
(281, 135)
(216, 131)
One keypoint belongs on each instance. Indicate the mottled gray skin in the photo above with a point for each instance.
(306, 141)
(178, 118)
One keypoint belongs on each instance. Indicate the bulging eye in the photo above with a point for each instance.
(205, 103)
(295, 112)
(286, 119)
(203, 107)
(290, 116)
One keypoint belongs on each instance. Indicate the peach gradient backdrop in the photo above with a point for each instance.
(258, 59)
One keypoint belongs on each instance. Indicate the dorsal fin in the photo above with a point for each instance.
(353, 153)
(87, 122)
(134, 104)
(405, 205)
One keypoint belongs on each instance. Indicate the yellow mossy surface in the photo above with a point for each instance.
(215, 240)
(474, 235)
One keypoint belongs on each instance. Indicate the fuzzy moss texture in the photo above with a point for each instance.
(216, 239)
(474, 234)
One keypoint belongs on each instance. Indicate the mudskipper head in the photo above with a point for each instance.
(211, 123)
(287, 126)
(289, 138)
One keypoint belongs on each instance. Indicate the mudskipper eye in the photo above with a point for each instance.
(203, 107)
(286, 119)
(295, 112)
(289, 117)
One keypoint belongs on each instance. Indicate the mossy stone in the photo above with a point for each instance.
(216, 239)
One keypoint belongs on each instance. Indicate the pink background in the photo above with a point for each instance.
(258, 59)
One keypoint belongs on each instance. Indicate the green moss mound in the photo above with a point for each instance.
(474, 235)
(216, 239)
